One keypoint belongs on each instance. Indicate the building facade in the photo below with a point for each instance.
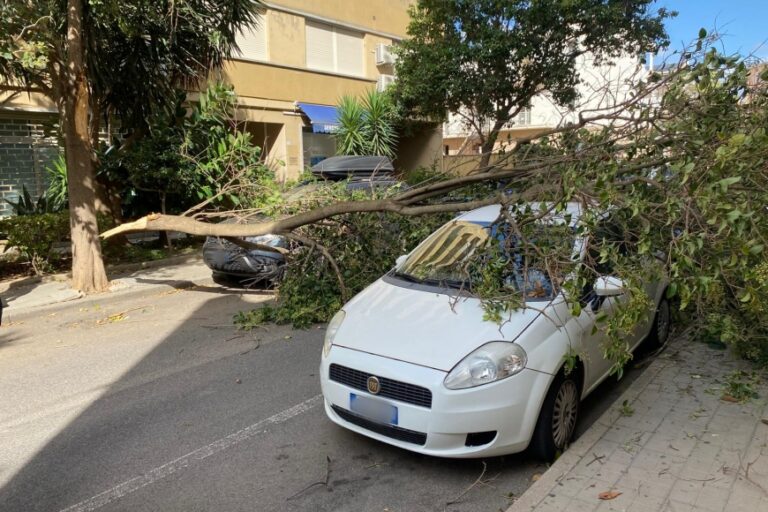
(299, 60)
(292, 68)
(601, 87)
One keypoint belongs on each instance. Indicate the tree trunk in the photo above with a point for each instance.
(88, 274)
(488, 145)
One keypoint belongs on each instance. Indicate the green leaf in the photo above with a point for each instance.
(671, 290)
(727, 182)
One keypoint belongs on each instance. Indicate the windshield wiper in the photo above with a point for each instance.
(450, 283)
(408, 277)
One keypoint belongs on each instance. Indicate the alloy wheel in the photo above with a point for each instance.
(564, 413)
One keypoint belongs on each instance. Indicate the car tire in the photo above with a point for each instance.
(661, 323)
(557, 418)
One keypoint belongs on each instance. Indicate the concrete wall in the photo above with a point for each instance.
(424, 148)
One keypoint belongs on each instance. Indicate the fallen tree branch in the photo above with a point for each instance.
(160, 222)
(251, 246)
(331, 261)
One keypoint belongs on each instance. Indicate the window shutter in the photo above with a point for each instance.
(320, 54)
(349, 48)
(253, 41)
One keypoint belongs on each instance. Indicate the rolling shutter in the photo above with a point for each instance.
(320, 54)
(349, 52)
(253, 41)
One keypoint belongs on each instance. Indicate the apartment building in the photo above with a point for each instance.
(300, 59)
(292, 68)
(602, 87)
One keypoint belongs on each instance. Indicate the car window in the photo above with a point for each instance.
(456, 255)
(610, 232)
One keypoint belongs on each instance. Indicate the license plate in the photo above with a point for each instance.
(373, 409)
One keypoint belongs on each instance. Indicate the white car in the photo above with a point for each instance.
(407, 363)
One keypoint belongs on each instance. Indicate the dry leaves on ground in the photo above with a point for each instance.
(609, 495)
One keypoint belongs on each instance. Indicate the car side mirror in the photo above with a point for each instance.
(609, 286)
(400, 259)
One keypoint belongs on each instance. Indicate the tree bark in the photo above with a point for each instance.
(490, 142)
(88, 273)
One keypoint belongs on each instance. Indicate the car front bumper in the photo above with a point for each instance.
(509, 407)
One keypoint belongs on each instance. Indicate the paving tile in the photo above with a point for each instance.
(711, 499)
(592, 489)
(685, 492)
(682, 450)
(676, 506)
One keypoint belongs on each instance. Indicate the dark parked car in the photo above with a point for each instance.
(233, 263)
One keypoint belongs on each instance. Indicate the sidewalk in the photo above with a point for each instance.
(679, 448)
(27, 296)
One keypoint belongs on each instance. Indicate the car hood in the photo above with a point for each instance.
(415, 324)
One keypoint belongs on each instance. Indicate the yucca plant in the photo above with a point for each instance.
(56, 194)
(351, 134)
(380, 120)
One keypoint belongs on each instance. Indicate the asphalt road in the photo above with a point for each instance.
(157, 403)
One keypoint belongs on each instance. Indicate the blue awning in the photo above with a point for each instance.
(324, 119)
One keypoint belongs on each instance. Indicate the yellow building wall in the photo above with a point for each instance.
(390, 16)
(286, 39)
(269, 81)
(21, 99)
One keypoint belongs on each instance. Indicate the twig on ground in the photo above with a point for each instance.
(315, 484)
(256, 346)
(597, 458)
(476, 482)
(746, 475)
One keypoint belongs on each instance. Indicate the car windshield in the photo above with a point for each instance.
(456, 253)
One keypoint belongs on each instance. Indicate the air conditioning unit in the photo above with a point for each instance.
(383, 82)
(384, 54)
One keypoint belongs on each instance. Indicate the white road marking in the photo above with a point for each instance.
(160, 472)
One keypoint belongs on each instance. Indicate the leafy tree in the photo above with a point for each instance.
(486, 59)
(367, 126)
(116, 60)
(670, 189)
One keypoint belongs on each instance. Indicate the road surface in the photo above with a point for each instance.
(156, 402)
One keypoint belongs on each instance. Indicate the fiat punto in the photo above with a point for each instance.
(411, 361)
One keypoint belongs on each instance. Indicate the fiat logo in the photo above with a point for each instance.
(374, 386)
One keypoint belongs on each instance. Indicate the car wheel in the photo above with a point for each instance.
(557, 418)
(661, 323)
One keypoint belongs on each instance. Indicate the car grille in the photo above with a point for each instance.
(393, 389)
(399, 433)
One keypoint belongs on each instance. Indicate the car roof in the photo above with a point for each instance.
(491, 213)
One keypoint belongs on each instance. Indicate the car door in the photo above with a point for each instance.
(593, 337)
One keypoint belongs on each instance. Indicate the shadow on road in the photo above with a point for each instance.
(205, 382)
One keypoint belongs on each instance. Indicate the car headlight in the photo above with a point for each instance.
(493, 361)
(330, 333)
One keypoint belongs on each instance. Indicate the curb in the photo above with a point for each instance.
(106, 297)
(541, 488)
(123, 286)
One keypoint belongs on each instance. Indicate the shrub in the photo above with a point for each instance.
(34, 236)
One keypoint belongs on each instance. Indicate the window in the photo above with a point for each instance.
(252, 41)
(523, 118)
(334, 49)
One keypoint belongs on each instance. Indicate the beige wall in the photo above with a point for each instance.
(23, 100)
(389, 16)
(256, 80)
(421, 149)
(286, 41)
